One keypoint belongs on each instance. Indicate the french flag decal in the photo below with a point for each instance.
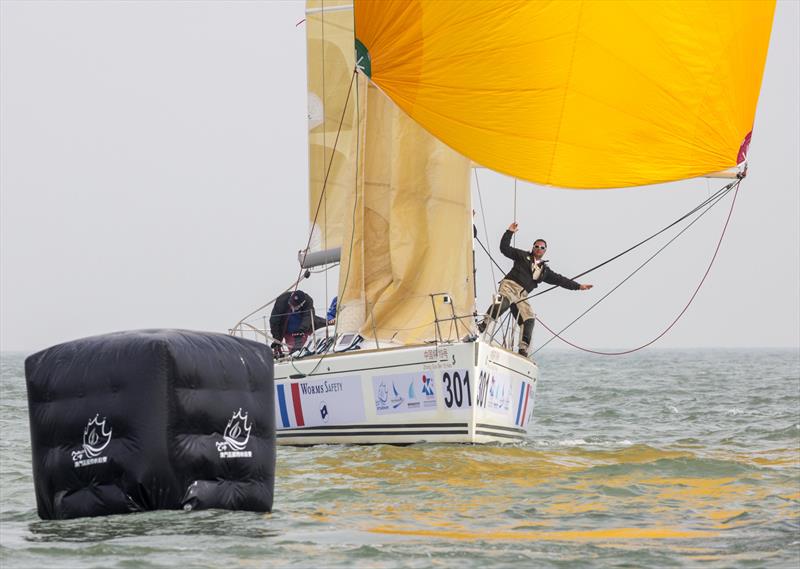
(289, 405)
(522, 407)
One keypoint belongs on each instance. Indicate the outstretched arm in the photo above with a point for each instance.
(553, 278)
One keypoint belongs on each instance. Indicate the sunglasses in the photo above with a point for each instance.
(542, 247)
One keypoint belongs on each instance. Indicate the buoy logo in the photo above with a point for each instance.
(236, 435)
(95, 439)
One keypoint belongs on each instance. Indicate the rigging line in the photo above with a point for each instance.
(718, 193)
(290, 287)
(353, 219)
(682, 312)
(721, 192)
(429, 323)
(491, 258)
(485, 229)
(325, 269)
(634, 272)
(509, 331)
(324, 98)
(501, 323)
(515, 209)
(327, 173)
(343, 287)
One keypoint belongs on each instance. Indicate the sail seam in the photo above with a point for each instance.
(564, 97)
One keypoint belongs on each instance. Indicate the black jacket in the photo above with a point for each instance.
(280, 313)
(522, 272)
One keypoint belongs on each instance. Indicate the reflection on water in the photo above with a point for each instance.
(627, 465)
(164, 523)
(512, 493)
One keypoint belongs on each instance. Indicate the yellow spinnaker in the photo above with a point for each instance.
(581, 94)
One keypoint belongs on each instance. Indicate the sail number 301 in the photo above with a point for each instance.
(456, 389)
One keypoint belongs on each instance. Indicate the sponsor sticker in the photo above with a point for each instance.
(494, 392)
(313, 403)
(402, 393)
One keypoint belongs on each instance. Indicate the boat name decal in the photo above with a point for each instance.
(317, 402)
(436, 354)
(324, 387)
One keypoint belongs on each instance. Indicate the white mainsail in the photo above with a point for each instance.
(396, 199)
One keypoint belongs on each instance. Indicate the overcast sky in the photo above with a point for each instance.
(154, 172)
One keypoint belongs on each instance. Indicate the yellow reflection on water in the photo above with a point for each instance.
(624, 533)
(523, 493)
(564, 508)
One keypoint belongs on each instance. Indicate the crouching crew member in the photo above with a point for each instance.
(292, 320)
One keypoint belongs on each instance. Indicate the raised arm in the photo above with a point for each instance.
(505, 245)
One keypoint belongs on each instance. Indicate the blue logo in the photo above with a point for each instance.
(397, 400)
(382, 401)
(427, 385)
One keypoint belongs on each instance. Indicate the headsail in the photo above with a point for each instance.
(575, 94)
(397, 200)
(412, 233)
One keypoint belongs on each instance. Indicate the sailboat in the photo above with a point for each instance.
(405, 99)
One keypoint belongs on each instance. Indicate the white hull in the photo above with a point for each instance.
(467, 392)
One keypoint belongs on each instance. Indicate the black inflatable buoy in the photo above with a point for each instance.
(152, 419)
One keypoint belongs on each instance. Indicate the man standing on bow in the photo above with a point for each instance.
(528, 271)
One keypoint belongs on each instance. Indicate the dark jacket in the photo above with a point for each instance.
(283, 320)
(522, 272)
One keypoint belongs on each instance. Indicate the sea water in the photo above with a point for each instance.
(659, 459)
